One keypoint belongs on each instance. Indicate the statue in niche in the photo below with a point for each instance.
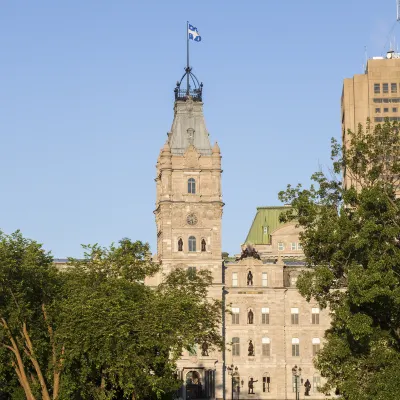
(180, 244)
(251, 348)
(203, 245)
(251, 385)
(250, 317)
(249, 279)
(307, 385)
(204, 349)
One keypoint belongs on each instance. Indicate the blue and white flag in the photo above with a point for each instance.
(193, 33)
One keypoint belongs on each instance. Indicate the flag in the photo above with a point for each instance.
(193, 33)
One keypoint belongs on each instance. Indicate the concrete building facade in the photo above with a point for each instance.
(373, 95)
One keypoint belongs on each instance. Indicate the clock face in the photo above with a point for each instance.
(191, 219)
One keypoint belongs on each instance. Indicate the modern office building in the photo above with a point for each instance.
(373, 95)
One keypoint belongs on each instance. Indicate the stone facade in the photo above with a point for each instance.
(265, 305)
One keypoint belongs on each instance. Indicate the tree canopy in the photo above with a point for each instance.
(351, 233)
(94, 330)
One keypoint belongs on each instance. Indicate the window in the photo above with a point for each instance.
(265, 315)
(378, 119)
(299, 246)
(393, 87)
(281, 246)
(191, 186)
(377, 88)
(394, 109)
(295, 316)
(192, 243)
(316, 383)
(191, 272)
(265, 230)
(386, 109)
(385, 87)
(236, 346)
(266, 382)
(203, 245)
(295, 347)
(315, 346)
(315, 316)
(264, 280)
(293, 280)
(266, 347)
(377, 110)
(293, 246)
(234, 279)
(377, 100)
(180, 244)
(235, 315)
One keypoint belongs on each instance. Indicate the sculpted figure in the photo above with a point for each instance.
(250, 317)
(251, 348)
(307, 385)
(251, 385)
(249, 279)
(204, 349)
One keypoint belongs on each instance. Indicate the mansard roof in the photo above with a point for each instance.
(265, 217)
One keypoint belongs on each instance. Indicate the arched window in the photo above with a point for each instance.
(180, 244)
(191, 186)
(192, 243)
(203, 245)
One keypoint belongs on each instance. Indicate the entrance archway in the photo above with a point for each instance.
(194, 387)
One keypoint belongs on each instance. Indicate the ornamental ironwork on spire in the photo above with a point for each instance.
(193, 89)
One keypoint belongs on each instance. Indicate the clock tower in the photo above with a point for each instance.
(189, 201)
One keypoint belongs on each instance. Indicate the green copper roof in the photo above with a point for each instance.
(265, 222)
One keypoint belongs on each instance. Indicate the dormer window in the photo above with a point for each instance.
(191, 186)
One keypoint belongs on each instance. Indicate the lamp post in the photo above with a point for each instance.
(233, 372)
(297, 374)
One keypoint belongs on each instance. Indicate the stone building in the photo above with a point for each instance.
(271, 328)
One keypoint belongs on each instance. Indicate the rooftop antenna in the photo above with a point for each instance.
(398, 10)
(365, 58)
(393, 27)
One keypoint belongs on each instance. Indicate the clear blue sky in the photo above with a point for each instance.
(86, 100)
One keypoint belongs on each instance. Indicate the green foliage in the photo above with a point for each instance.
(97, 324)
(350, 237)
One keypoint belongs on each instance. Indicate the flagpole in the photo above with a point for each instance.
(187, 58)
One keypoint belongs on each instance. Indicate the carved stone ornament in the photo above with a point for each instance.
(191, 158)
(190, 135)
(191, 219)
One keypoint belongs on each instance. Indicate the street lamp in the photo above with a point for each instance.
(233, 372)
(297, 374)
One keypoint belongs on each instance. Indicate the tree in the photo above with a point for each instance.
(113, 336)
(351, 240)
(29, 286)
(123, 337)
